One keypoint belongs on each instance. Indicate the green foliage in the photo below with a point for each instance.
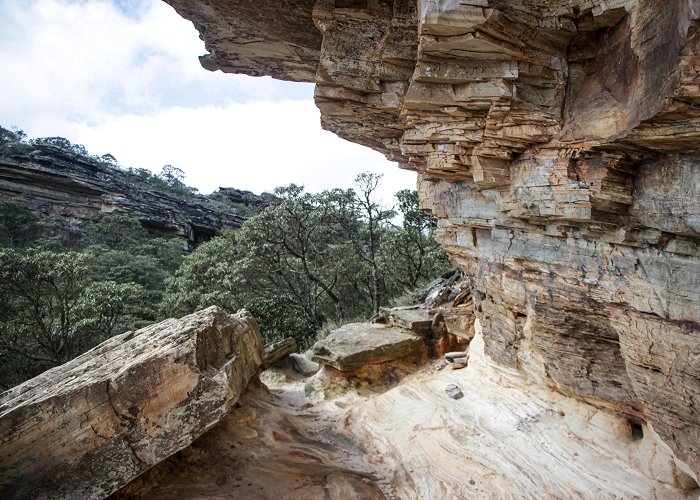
(412, 255)
(11, 135)
(120, 231)
(12, 140)
(304, 263)
(206, 277)
(109, 159)
(76, 287)
(62, 143)
(310, 260)
(17, 224)
(53, 309)
(170, 181)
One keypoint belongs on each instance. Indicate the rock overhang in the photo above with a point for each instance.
(557, 143)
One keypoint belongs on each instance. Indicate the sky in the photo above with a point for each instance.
(123, 77)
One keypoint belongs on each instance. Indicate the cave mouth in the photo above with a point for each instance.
(637, 430)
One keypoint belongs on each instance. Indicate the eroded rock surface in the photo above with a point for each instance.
(267, 447)
(257, 38)
(84, 429)
(557, 142)
(356, 345)
(505, 437)
(52, 181)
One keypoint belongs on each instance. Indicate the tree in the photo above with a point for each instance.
(172, 176)
(115, 230)
(52, 309)
(109, 159)
(206, 277)
(16, 223)
(287, 247)
(371, 232)
(411, 255)
(11, 140)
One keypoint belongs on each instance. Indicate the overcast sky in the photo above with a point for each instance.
(122, 77)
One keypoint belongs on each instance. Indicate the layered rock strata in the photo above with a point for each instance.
(87, 428)
(260, 38)
(52, 181)
(557, 142)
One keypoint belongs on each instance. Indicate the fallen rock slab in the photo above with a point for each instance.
(355, 345)
(87, 428)
(277, 351)
(412, 318)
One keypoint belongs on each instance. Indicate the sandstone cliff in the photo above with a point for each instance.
(54, 181)
(558, 143)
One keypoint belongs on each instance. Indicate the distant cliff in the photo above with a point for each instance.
(51, 180)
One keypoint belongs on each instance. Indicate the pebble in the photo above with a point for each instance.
(454, 391)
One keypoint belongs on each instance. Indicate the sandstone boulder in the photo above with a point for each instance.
(413, 318)
(277, 351)
(353, 346)
(84, 429)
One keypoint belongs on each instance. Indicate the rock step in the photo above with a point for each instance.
(414, 318)
(277, 351)
(355, 345)
(303, 365)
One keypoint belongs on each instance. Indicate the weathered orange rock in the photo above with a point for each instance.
(86, 428)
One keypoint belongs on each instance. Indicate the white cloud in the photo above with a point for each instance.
(255, 146)
(124, 78)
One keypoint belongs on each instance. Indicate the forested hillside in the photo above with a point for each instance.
(300, 263)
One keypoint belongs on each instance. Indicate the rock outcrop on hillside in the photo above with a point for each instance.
(49, 180)
(87, 428)
(558, 143)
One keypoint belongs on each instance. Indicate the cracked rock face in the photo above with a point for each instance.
(53, 181)
(558, 143)
(87, 428)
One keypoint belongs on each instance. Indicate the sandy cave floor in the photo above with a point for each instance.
(504, 439)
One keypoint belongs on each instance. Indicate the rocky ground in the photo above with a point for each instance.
(298, 438)
(196, 408)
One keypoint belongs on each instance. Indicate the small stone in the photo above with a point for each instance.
(458, 363)
(454, 391)
(302, 364)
